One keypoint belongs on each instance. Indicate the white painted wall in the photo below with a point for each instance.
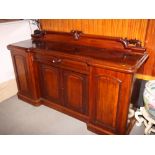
(11, 32)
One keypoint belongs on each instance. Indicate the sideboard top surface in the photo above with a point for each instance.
(124, 58)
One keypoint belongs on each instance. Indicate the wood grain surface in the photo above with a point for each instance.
(142, 29)
(149, 67)
(131, 28)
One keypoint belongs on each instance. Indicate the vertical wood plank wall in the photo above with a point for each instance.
(149, 68)
(121, 28)
(142, 29)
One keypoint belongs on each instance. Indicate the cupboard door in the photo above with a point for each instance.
(50, 83)
(27, 81)
(106, 100)
(22, 75)
(110, 100)
(75, 91)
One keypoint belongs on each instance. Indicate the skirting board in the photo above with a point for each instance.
(8, 89)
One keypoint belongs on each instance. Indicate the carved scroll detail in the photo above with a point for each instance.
(133, 42)
(76, 34)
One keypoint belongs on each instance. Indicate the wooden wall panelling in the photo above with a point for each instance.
(149, 68)
(131, 28)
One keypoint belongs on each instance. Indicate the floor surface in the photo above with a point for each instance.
(20, 118)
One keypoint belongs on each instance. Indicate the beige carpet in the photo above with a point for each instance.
(19, 118)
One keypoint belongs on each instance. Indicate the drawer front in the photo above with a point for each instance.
(62, 62)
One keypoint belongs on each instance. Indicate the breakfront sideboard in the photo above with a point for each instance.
(88, 77)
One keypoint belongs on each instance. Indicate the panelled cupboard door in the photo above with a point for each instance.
(22, 75)
(50, 83)
(75, 91)
(110, 91)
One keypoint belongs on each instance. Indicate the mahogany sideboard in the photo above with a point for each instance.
(88, 77)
